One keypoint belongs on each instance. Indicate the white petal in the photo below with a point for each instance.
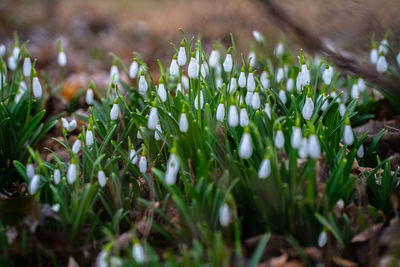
(220, 114)
(114, 112)
(381, 65)
(27, 67)
(360, 152)
(245, 146)
(89, 138)
(228, 63)
(192, 69)
(101, 177)
(142, 85)
(296, 138)
(72, 173)
(76, 146)
(183, 123)
(133, 156)
(34, 184)
(322, 239)
(224, 215)
(57, 176)
(255, 100)
(153, 119)
(181, 56)
(265, 169)
(251, 84)
(348, 136)
(373, 56)
(279, 139)
(314, 149)
(133, 69)
(242, 80)
(143, 164)
(62, 59)
(37, 87)
(89, 97)
(138, 253)
(162, 93)
(233, 116)
(308, 108)
(244, 118)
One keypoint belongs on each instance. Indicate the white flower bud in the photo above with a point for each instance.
(279, 75)
(360, 152)
(257, 35)
(220, 114)
(327, 75)
(37, 87)
(354, 91)
(265, 169)
(89, 97)
(233, 117)
(322, 239)
(138, 253)
(279, 50)
(30, 170)
(279, 139)
(62, 59)
(101, 260)
(289, 84)
(185, 82)
(172, 169)
(204, 69)
(196, 101)
(381, 64)
(15, 52)
(373, 57)
(342, 109)
(306, 74)
(162, 93)
(228, 64)
(361, 84)
(224, 215)
(183, 123)
(181, 56)
(12, 63)
(101, 177)
(383, 47)
(242, 79)
(282, 96)
(308, 108)
(296, 138)
(251, 83)
(27, 67)
(114, 74)
(34, 184)
(303, 151)
(314, 149)
(218, 82)
(245, 146)
(348, 136)
(252, 59)
(299, 82)
(2, 50)
(214, 58)
(139, 133)
(153, 119)
(192, 69)
(57, 176)
(142, 85)
(325, 103)
(267, 110)
(114, 112)
(174, 68)
(158, 133)
(72, 125)
(133, 156)
(143, 164)
(89, 138)
(72, 173)
(244, 118)
(264, 79)
(76, 146)
(398, 59)
(233, 85)
(249, 96)
(255, 100)
(55, 207)
(133, 69)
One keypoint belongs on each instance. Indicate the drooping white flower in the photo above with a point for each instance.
(249, 96)
(102, 259)
(172, 169)
(2, 50)
(228, 64)
(183, 123)
(196, 101)
(133, 156)
(322, 239)
(257, 36)
(252, 59)
(244, 118)
(89, 97)
(264, 79)
(224, 215)
(279, 50)
(289, 84)
(34, 184)
(15, 52)
(182, 55)
(37, 87)
(30, 170)
(383, 47)
(296, 138)
(72, 173)
(57, 176)
(162, 93)
(193, 72)
(342, 109)
(314, 149)
(299, 81)
(265, 169)
(12, 63)
(279, 75)
(233, 85)
(218, 82)
(89, 138)
(114, 74)
(267, 110)
(220, 114)
(139, 133)
(282, 96)
(114, 112)
(179, 89)
(373, 57)
(255, 100)
(214, 58)
(303, 151)
(21, 91)
(305, 73)
(153, 119)
(27, 66)
(381, 64)
(361, 84)
(245, 146)
(279, 139)
(158, 133)
(101, 177)
(308, 108)
(242, 79)
(133, 69)
(233, 116)
(142, 84)
(354, 91)
(174, 68)
(62, 59)
(348, 135)
(142, 164)
(76, 146)
(327, 75)
(69, 126)
(138, 253)
(251, 83)
(360, 152)
(325, 103)
(204, 69)
(185, 82)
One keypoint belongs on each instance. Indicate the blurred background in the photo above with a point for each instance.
(90, 29)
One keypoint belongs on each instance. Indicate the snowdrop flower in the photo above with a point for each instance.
(305, 73)
(185, 82)
(114, 112)
(296, 138)
(179, 89)
(244, 118)
(398, 59)
(196, 101)
(325, 103)
(233, 85)
(289, 84)
(220, 114)
(37, 87)
(233, 116)
(282, 96)
(102, 259)
(267, 110)
(373, 57)
(252, 59)
(381, 64)
(245, 145)
(228, 64)
(354, 90)
(314, 149)
(153, 118)
(133, 69)
(183, 123)
(69, 126)
(224, 215)
(158, 133)
(21, 90)
(72, 173)
(193, 72)
(162, 93)
(76, 146)
(182, 55)
(114, 73)
(219, 82)
(174, 67)
(242, 78)
(143, 164)
(322, 239)
(361, 84)
(264, 79)
(89, 138)
(101, 177)
(279, 138)
(34, 184)
(172, 168)
(327, 75)
(139, 133)
(30, 170)
(279, 50)
(138, 253)
(303, 151)
(265, 168)
(251, 83)
(360, 152)
(2, 50)
(27, 66)
(342, 109)
(204, 69)
(348, 135)
(133, 156)
(15, 52)
(255, 100)
(12, 63)
(279, 75)
(89, 97)
(257, 36)
(142, 84)
(62, 59)
(383, 47)
(299, 82)
(214, 58)
(308, 107)
(57, 176)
